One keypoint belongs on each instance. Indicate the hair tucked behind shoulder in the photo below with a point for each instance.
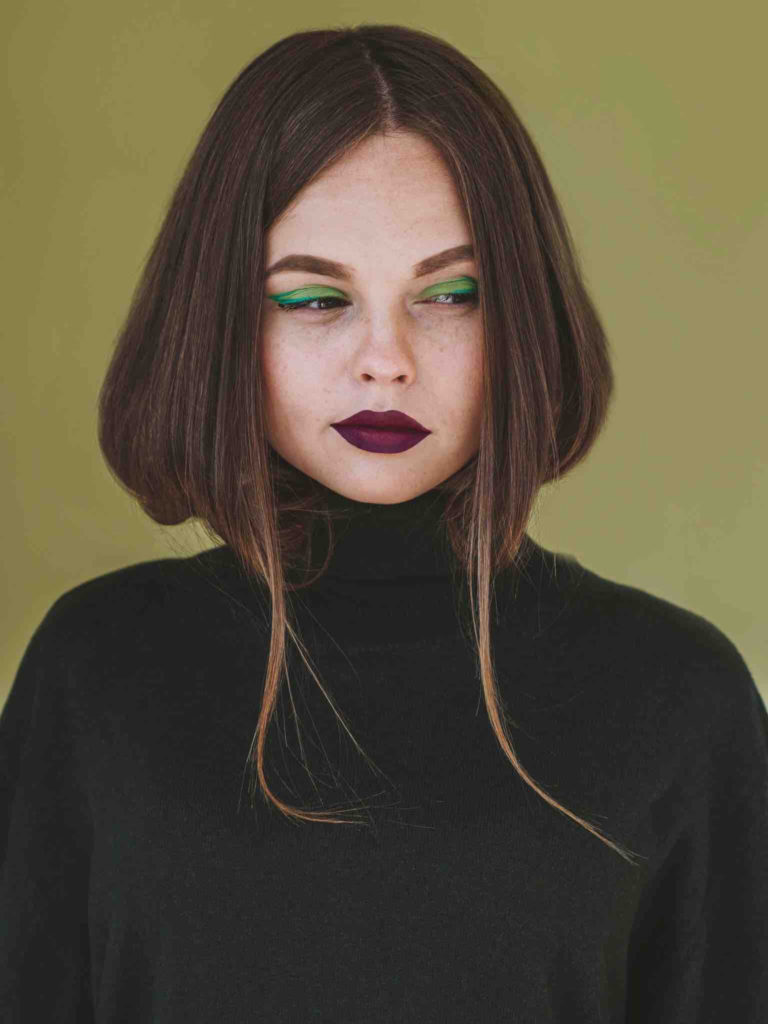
(181, 409)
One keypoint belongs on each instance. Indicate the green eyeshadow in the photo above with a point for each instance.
(461, 285)
(302, 294)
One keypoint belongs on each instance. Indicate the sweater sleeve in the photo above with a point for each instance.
(45, 843)
(699, 945)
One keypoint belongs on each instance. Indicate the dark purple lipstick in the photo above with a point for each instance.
(386, 432)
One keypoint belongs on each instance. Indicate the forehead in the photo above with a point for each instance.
(390, 194)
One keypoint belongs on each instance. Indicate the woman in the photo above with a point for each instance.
(359, 347)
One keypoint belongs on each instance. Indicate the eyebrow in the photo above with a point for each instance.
(330, 268)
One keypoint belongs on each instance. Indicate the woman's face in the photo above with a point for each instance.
(382, 339)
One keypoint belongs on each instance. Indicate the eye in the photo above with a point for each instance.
(463, 298)
(303, 298)
(318, 299)
(460, 291)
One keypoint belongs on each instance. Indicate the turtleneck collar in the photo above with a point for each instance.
(387, 541)
(403, 547)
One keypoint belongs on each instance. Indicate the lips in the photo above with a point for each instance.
(393, 419)
(383, 432)
(374, 439)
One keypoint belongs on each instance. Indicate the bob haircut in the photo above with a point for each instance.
(181, 408)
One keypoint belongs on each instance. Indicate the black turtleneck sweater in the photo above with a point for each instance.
(138, 885)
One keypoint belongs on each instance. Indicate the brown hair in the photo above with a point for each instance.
(181, 409)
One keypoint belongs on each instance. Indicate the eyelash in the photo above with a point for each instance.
(470, 297)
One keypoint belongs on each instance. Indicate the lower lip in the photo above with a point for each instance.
(374, 439)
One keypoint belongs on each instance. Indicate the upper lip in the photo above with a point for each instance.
(392, 419)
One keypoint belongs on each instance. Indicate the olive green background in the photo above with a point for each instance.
(651, 122)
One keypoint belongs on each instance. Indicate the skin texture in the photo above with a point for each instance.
(381, 209)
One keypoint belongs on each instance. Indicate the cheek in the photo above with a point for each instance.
(293, 380)
(278, 372)
(461, 375)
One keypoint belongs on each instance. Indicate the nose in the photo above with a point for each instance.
(385, 355)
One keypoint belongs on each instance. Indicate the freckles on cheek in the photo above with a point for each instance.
(297, 381)
(278, 362)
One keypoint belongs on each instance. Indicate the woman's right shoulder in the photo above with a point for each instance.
(124, 604)
(101, 635)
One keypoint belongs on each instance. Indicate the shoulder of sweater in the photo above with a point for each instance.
(679, 653)
(156, 590)
(633, 610)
